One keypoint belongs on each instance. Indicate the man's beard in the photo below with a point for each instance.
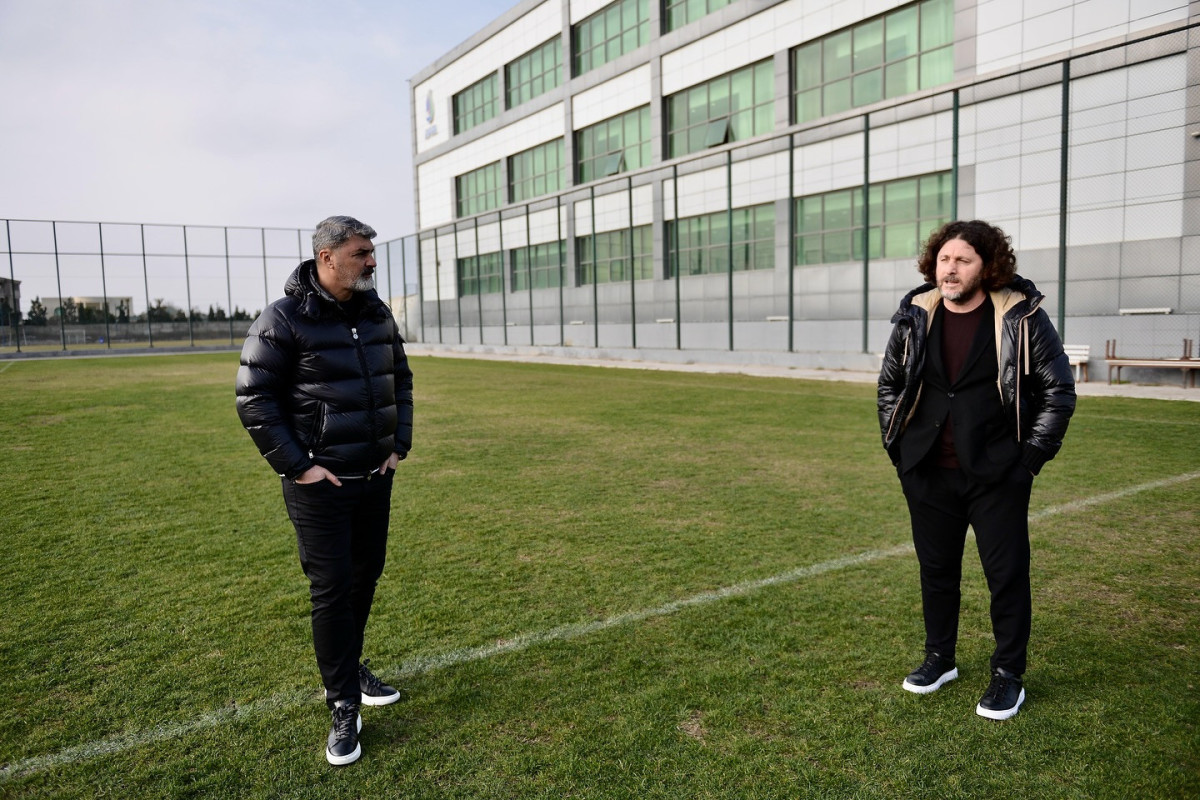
(363, 283)
(964, 292)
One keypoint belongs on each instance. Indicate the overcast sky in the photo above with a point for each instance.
(217, 112)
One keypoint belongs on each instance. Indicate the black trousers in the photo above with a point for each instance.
(341, 532)
(942, 503)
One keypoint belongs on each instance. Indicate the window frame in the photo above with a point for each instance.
(480, 199)
(885, 223)
(857, 77)
(513, 96)
(701, 129)
(711, 251)
(472, 107)
(552, 176)
(543, 274)
(612, 250)
(493, 279)
(611, 45)
(623, 157)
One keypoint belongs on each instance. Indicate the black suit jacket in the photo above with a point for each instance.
(985, 444)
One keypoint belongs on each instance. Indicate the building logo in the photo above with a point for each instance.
(432, 130)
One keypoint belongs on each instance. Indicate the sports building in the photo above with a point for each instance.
(756, 176)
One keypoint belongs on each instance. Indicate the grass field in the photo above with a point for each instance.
(601, 584)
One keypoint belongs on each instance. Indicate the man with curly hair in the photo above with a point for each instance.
(975, 394)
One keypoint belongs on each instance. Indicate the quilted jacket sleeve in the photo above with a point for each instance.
(1048, 395)
(263, 383)
(404, 398)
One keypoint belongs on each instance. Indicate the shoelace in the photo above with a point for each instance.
(345, 720)
(998, 687)
(930, 668)
(374, 685)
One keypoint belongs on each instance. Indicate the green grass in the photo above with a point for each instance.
(155, 641)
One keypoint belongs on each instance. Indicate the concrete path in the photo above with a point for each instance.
(763, 370)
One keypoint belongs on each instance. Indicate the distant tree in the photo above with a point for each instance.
(37, 312)
(69, 311)
(122, 312)
(180, 316)
(240, 314)
(216, 314)
(159, 312)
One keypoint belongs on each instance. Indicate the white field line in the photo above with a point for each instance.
(7, 364)
(423, 664)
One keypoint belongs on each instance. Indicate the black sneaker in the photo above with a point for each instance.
(930, 676)
(374, 691)
(342, 746)
(1003, 697)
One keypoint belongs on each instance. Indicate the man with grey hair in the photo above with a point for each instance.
(325, 391)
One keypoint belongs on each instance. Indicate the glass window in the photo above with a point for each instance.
(479, 190)
(746, 98)
(704, 242)
(604, 258)
(539, 266)
(614, 145)
(611, 32)
(829, 227)
(475, 104)
(534, 73)
(889, 56)
(536, 171)
(681, 12)
(937, 23)
(483, 274)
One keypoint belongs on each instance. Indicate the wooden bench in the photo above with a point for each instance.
(1187, 364)
(1078, 355)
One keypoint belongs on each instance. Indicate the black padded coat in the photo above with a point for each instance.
(1035, 382)
(325, 383)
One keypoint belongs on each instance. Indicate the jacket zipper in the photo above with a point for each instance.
(362, 363)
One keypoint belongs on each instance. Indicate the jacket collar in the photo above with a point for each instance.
(315, 302)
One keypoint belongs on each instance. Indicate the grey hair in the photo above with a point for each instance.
(334, 231)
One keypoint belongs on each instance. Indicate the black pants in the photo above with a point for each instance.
(341, 532)
(942, 502)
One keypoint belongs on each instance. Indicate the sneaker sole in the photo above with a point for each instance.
(945, 678)
(341, 761)
(382, 700)
(1001, 713)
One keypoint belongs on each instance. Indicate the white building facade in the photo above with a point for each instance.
(758, 175)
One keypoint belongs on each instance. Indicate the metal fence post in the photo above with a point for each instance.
(104, 288)
(632, 272)
(678, 260)
(729, 235)
(146, 282)
(791, 238)
(187, 280)
(62, 311)
(1063, 175)
(12, 276)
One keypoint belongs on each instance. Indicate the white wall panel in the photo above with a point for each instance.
(612, 211)
(623, 93)
(531, 30)
(436, 177)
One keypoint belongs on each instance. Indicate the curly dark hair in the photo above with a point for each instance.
(993, 245)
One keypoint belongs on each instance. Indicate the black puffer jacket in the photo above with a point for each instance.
(1037, 388)
(323, 383)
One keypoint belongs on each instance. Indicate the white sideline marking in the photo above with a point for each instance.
(7, 365)
(423, 664)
